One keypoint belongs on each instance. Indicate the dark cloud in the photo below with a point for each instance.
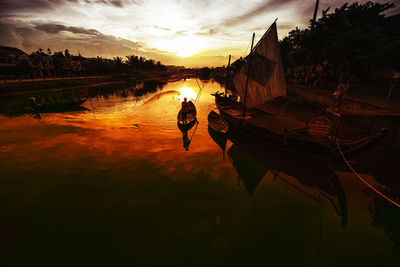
(56, 28)
(31, 36)
(117, 3)
(261, 9)
(22, 6)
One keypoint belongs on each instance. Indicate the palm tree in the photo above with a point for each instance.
(118, 64)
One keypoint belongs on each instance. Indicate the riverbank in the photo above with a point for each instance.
(359, 97)
(27, 86)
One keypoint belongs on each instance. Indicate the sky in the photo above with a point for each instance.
(191, 33)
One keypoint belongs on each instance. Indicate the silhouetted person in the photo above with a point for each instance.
(339, 94)
(185, 109)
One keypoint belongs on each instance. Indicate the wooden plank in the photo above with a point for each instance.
(279, 124)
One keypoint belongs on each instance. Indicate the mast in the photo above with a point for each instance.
(248, 74)
(227, 72)
(315, 12)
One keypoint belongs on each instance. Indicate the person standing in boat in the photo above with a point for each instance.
(185, 109)
(339, 94)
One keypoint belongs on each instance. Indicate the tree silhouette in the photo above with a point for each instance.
(352, 39)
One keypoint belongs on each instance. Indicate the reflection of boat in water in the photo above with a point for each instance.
(217, 123)
(219, 138)
(260, 81)
(252, 161)
(249, 170)
(191, 117)
(66, 105)
(303, 173)
(185, 125)
(218, 128)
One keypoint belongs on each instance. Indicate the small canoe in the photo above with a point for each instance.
(217, 123)
(191, 117)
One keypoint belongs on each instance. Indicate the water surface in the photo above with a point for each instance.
(113, 185)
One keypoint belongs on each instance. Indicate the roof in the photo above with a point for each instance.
(7, 49)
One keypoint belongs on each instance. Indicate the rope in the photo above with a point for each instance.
(320, 228)
(365, 182)
(197, 124)
(198, 95)
(245, 51)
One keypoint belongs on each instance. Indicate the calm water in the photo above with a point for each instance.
(113, 185)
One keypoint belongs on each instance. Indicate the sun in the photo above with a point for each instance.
(186, 92)
(184, 46)
(188, 46)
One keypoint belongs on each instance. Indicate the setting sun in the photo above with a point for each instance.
(186, 92)
(185, 46)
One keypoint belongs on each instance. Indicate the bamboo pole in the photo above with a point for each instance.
(315, 12)
(227, 71)
(248, 74)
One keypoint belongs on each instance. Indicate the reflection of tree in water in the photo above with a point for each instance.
(70, 100)
(387, 216)
(135, 89)
(42, 102)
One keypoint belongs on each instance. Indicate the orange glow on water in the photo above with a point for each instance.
(188, 93)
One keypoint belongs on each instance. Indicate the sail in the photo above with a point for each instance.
(267, 77)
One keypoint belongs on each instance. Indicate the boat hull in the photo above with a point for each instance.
(298, 142)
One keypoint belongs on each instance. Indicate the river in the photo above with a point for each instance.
(112, 184)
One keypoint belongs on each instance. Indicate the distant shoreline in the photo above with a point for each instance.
(26, 86)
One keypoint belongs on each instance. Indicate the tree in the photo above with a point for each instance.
(351, 39)
(66, 53)
(118, 64)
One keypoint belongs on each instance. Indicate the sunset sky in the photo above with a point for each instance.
(193, 33)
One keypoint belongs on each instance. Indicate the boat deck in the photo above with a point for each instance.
(279, 124)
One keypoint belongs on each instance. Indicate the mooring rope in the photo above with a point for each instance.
(365, 182)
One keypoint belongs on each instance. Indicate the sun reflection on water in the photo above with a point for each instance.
(186, 92)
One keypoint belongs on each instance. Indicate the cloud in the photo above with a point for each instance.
(261, 9)
(116, 3)
(56, 28)
(22, 6)
(19, 6)
(91, 26)
(162, 28)
(31, 36)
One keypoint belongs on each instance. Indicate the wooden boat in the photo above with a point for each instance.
(218, 129)
(191, 118)
(261, 80)
(217, 123)
(59, 107)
